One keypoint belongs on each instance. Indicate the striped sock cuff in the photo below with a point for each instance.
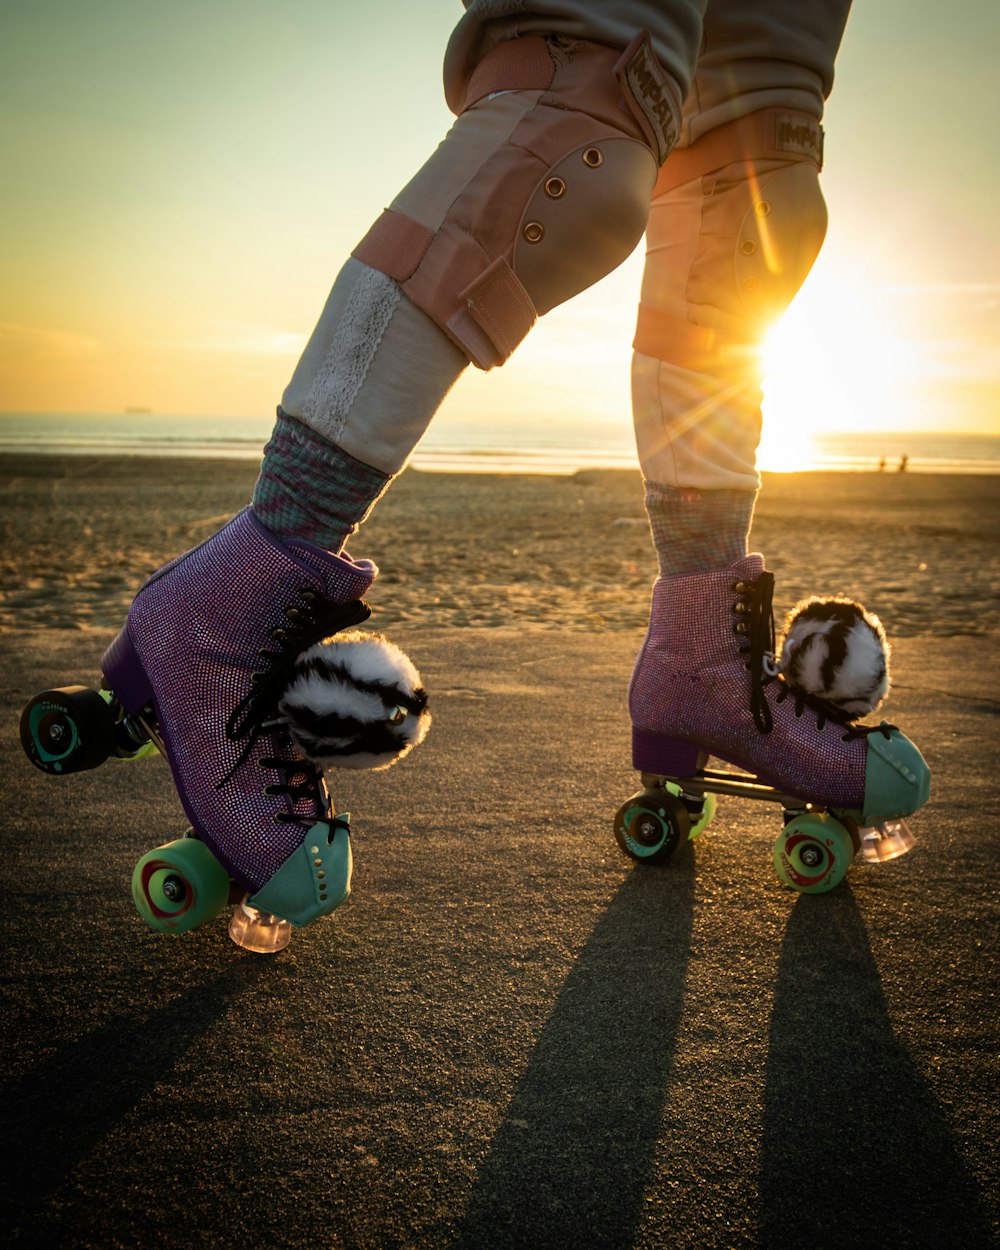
(697, 531)
(312, 489)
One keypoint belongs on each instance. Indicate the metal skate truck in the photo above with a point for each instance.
(788, 725)
(248, 705)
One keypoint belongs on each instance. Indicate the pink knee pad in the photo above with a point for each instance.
(736, 223)
(557, 204)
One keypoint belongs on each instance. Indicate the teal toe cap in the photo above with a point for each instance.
(314, 879)
(897, 779)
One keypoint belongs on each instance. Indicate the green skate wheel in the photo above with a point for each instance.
(179, 886)
(651, 825)
(67, 730)
(700, 820)
(813, 853)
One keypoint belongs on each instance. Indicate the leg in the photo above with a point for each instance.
(553, 159)
(736, 222)
(541, 187)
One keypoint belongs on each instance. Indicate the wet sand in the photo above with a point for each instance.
(510, 1036)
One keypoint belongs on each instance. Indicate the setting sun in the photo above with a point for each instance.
(831, 364)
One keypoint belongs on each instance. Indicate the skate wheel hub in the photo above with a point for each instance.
(166, 894)
(646, 831)
(53, 730)
(174, 890)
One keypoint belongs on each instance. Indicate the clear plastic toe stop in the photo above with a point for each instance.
(258, 931)
(887, 840)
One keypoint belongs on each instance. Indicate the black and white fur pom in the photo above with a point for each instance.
(355, 701)
(836, 651)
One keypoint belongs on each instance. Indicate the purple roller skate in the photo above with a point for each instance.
(705, 683)
(202, 661)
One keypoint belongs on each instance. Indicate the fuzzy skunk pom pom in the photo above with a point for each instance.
(835, 650)
(355, 701)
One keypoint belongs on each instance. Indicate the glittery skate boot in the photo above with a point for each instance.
(705, 682)
(204, 654)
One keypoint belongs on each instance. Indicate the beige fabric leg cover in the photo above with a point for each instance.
(376, 368)
(374, 372)
(726, 252)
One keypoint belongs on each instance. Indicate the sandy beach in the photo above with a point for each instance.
(510, 1036)
(923, 551)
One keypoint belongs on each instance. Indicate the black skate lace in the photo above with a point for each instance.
(756, 623)
(304, 789)
(309, 621)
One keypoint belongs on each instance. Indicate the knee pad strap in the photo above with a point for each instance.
(768, 134)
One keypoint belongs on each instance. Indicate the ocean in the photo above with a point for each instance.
(454, 445)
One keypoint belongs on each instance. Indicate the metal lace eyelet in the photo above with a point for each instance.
(739, 628)
(279, 634)
(309, 595)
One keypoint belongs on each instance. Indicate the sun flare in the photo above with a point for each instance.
(832, 363)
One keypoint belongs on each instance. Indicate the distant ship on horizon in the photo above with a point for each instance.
(138, 412)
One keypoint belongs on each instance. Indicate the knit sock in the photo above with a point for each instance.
(310, 488)
(695, 531)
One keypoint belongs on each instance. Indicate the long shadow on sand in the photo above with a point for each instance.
(855, 1150)
(57, 1113)
(569, 1164)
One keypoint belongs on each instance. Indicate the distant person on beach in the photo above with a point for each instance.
(904, 461)
(580, 126)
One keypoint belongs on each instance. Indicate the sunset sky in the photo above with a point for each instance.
(182, 180)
